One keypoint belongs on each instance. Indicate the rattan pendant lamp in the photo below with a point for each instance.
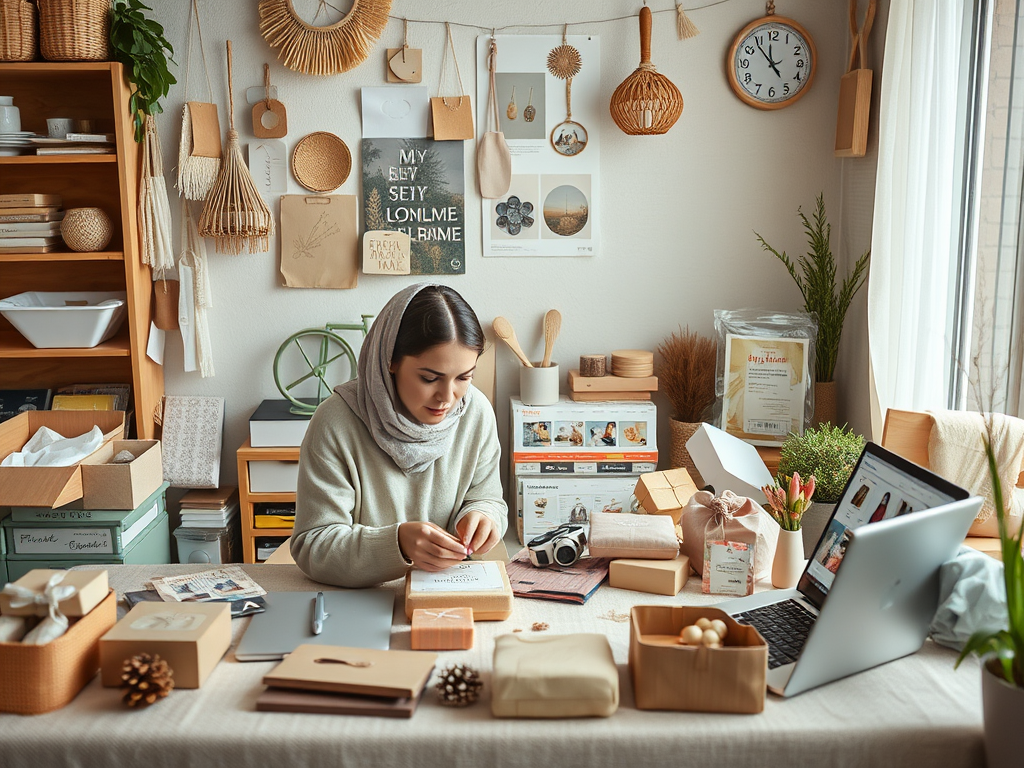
(646, 102)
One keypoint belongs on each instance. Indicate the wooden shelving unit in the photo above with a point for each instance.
(96, 91)
(247, 499)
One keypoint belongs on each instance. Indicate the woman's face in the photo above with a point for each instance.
(431, 384)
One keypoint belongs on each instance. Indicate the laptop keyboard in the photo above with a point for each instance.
(784, 626)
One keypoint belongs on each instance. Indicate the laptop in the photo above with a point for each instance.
(895, 524)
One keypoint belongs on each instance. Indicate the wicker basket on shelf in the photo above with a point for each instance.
(86, 229)
(19, 38)
(74, 30)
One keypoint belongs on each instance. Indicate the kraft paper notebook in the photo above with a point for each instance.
(282, 700)
(360, 671)
(360, 618)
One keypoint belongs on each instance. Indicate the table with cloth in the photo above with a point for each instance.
(916, 711)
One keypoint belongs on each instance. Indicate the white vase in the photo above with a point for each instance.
(10, 115)
(1004, 712)
(789, 560)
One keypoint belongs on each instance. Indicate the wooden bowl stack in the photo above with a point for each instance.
(632, 363)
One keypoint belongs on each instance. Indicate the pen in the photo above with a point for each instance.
(319, 614)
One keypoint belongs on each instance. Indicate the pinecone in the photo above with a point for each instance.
(144, 679)
(458, 686)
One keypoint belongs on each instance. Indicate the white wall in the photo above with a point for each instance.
(679, 210)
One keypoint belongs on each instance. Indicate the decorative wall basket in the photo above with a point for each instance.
(679, 456)
(74, 30)
(321, 162)
(646, 102)
(19, 39)
(325, 50)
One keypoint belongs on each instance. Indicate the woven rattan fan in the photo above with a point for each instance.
(325, 50)
(646, 102)
(321, 162)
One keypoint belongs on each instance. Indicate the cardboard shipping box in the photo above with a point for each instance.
(665, 493)
(658, 577)
(52, 486)
(124, 486)
(191, 637)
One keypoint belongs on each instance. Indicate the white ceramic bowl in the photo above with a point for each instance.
(59, 320)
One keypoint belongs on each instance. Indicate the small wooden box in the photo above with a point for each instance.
(668, 675)
(447, 629)
(90, 590)
(659, 577)
(190, 637)
(491, 605)
(41, 678)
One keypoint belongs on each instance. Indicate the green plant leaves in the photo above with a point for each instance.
(139, 44)
(829, 453)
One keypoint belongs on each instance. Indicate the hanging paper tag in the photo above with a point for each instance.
(386, 253)
(269, 167)
(728, 568)
(257, 93)
(269, 119)
(405, 65)
(205, 129)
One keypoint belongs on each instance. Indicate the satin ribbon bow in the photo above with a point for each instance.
(52, 594)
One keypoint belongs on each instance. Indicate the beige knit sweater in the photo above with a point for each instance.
(352, 496)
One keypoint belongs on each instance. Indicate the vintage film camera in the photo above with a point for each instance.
(562, 545)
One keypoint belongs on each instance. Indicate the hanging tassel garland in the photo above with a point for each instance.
(685, 28)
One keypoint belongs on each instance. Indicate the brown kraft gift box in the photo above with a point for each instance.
(491, 605)
(90, 590)
(659, 577)
(190, 637)
(665, 493)
(668, 675)
(445, 629)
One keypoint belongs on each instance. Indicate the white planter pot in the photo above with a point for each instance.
(789, 560)
(1004, 713)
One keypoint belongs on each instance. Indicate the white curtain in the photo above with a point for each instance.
(915, 228)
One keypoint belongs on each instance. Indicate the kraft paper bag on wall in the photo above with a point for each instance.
(453, 118)
(205, 129)
(319, 241)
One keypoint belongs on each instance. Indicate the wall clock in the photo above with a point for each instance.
(771, 62)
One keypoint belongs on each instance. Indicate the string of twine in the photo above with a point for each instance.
(564, 25)
(440, 80)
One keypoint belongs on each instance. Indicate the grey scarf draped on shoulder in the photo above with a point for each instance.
(373, 397)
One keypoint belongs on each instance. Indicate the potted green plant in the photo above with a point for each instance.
(829, 454)
(815, 275)
(139, 44)
(686, 374)
(1002, 651)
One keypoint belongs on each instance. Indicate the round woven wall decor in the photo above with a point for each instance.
(325, 50)
(321, 162)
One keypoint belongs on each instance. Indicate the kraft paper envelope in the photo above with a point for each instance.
(319, 241)
(205, 129)
(365, 671)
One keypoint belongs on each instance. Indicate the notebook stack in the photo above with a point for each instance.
(212, 508)
(75, 144)
(362, 682)
(30, 223)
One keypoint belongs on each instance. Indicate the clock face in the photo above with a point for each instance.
(771, 63)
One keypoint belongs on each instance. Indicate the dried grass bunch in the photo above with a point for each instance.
(686, 373)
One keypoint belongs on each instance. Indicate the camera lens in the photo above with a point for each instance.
(566, 552)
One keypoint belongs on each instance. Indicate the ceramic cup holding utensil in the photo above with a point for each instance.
(537, 385)
(59, 127)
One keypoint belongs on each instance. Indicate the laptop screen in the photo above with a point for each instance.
(882, 486)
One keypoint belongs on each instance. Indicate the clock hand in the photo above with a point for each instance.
(772, 62)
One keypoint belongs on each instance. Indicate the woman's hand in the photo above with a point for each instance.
(429, 546)
(478, 532)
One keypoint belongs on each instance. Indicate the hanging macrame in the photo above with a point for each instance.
(325, 50)
(199, 151)
(154, 210)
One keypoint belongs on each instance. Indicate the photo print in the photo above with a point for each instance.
(569, 433)
(521, 94)
(536, 434)
(575, 509)
(600, 433)
(566, 211)
(569, 138)
(633, 433)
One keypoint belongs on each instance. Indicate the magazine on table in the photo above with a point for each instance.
(214, 584)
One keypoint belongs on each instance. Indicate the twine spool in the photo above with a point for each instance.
(19, 40)
(593, 365)
(74, 30)
(86, 229)
(678, 455)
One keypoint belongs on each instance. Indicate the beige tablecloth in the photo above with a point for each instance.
(915, 712)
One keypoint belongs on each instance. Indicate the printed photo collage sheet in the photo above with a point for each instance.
(552, 206)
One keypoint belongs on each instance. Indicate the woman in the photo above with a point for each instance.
(399, 467)
(879, 513)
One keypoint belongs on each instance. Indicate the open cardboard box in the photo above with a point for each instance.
(124, 486)
(52, 486)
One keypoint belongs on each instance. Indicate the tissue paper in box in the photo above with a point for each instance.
(659, 577)
(444, 629)
(90, 589)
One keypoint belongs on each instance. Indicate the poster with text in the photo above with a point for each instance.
(417, 186)
(551, 208)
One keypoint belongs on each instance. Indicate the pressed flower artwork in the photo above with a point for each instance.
(514, 215)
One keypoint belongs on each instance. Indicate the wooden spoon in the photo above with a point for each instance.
(552, 326)
(504, 331)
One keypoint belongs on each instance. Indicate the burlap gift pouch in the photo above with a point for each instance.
(652, 537)
(728, 518)
(554, 676)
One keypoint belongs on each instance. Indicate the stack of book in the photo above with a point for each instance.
(212, 508)
(606, 388)
(274, 425)
(30, 223)
(76, 144)
(373, 682)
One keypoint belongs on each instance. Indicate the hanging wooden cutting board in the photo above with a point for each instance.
(855, 90)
